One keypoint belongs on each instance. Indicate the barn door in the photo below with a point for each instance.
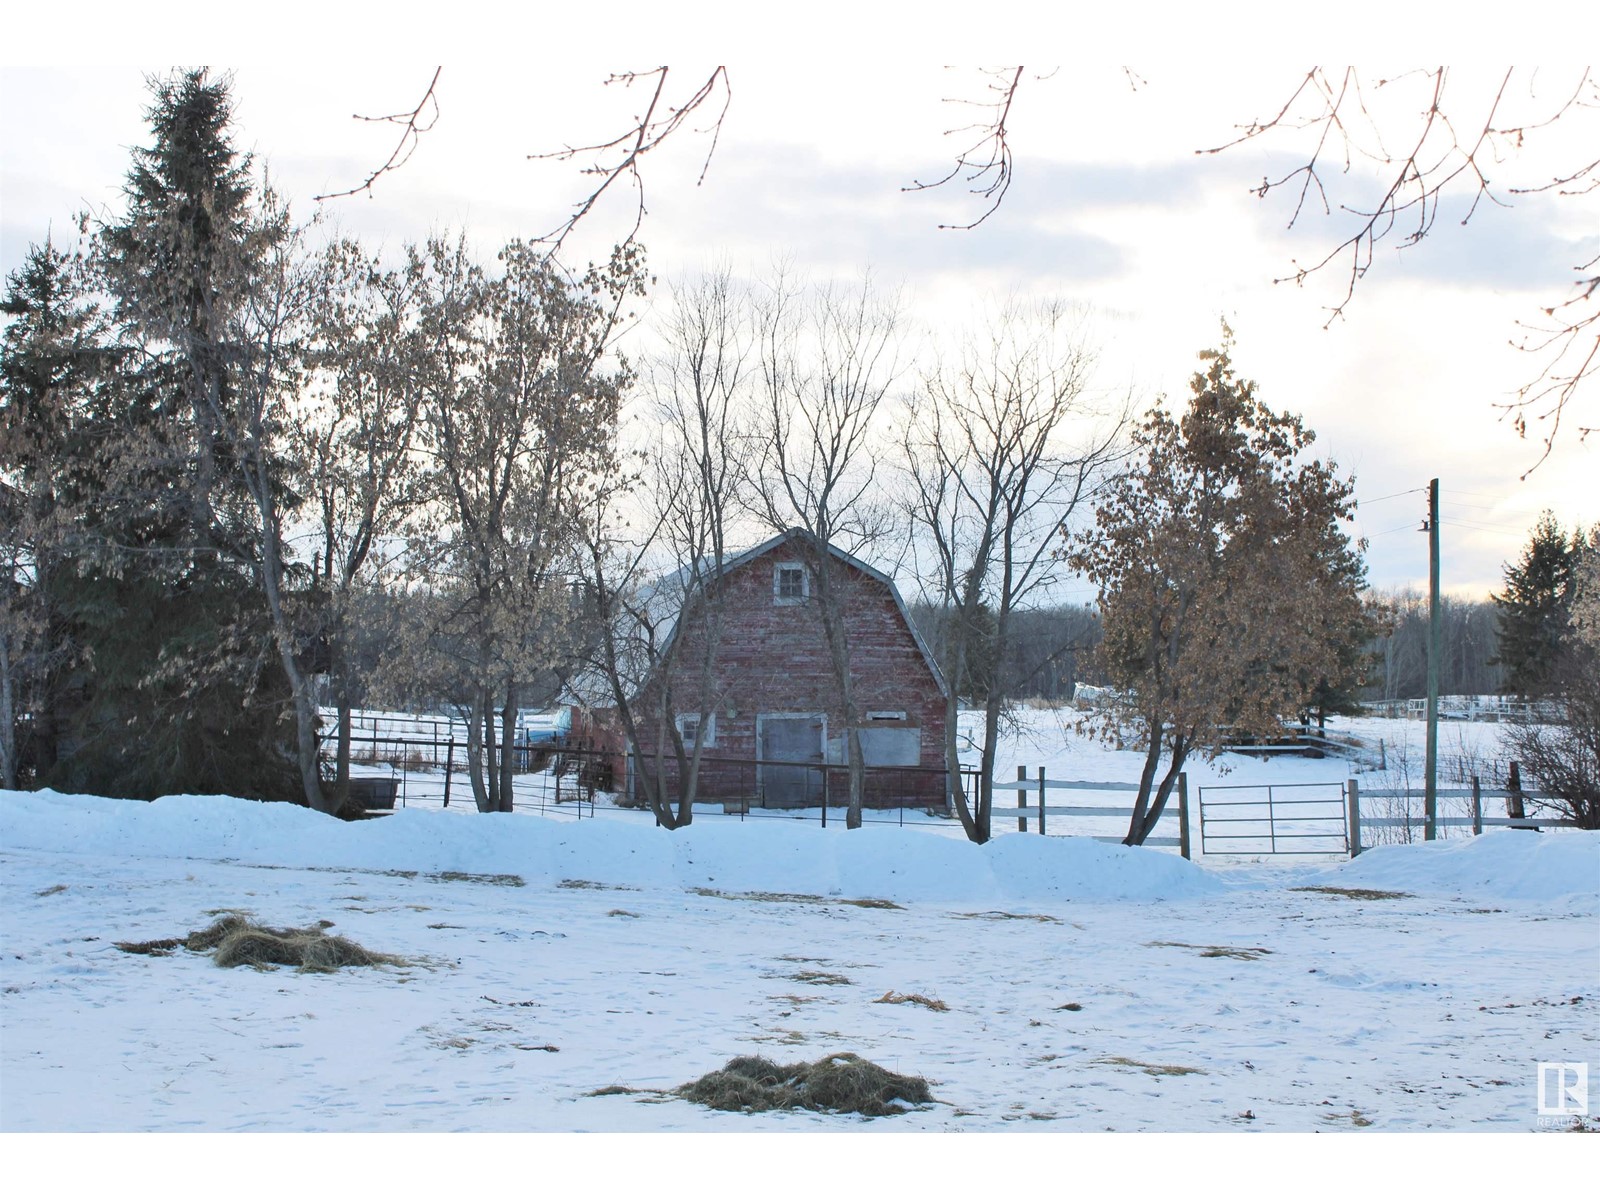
(786, 740)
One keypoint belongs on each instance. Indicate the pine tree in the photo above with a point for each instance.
(1535, 609)
(179, 265)
(51, 372)
(175, 687)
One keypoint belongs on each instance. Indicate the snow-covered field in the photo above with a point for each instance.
(1078, 986)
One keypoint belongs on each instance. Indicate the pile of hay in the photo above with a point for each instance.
(843, 1083)
(233, 940)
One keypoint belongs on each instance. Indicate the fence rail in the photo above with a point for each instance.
(1039, 810)
(1333, 820)
(567, 779)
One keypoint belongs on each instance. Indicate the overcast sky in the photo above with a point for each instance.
(1110, 207)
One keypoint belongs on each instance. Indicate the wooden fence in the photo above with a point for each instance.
(1514, 799)
(1033, 804)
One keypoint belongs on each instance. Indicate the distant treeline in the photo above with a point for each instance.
(1053, 649)
(1469, 642)
(1050, 650)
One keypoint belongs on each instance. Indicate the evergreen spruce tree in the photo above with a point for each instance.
(1535, 609)
(179, 265)
(52, 369)
(177, 688)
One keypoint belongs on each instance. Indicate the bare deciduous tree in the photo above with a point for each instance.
(520, 416)
(1434, 138)
(618, 158)
(413, 124)
(1001, 450)
(984, 165)
(1451, 143)
(827, 360)
(661, 610)
(351, 446)
(270, 328)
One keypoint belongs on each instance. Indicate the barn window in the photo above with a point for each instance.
(689, 730)
(790, 584)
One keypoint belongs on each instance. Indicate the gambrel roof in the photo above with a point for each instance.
(790, 535)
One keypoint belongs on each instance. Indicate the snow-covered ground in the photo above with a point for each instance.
(1085, 987)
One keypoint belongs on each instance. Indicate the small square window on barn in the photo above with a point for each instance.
(689, 730)
(790, 583)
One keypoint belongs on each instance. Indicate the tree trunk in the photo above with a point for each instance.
(341, 765)
(1180, 753)
(857, 771)
(983, 817)
(964, 805)
(305, 713)
(650, 775)
(1147, 776)
(508, 750)
(8, 716)
(270, 568)
(491, 759)
(480, 794)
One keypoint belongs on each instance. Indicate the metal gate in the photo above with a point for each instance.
(1280, 818)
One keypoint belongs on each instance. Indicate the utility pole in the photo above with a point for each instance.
(1435, 632)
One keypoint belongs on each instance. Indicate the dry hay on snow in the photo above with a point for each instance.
(842, 1083)
(234, 939)
(1357, 893)
(894, 997)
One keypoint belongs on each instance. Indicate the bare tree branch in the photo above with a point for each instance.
(414, 126)
(618, 158)
(1445, 154)
(986, 163)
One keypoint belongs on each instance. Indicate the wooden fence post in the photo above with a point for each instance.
(1352, 802)
(1477, 808)
(1022, 799)
(1183, 813)
(1041, 800)
(449, 762)
(1514, 807)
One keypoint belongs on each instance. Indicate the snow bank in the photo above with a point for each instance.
(906, 865)
(886, 863)
(1506, 864)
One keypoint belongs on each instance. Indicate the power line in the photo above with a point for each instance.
(1391, 496)
(1396, 529)
(1503, 529)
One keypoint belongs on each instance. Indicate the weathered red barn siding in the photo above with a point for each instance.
(773, 658)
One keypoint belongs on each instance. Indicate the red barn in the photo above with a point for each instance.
(775, 728)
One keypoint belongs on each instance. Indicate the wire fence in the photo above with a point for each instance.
(400, 771)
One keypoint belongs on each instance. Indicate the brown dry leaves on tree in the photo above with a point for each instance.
(1226, 577)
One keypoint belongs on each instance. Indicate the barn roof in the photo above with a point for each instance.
(667, 592)
(793, 534)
